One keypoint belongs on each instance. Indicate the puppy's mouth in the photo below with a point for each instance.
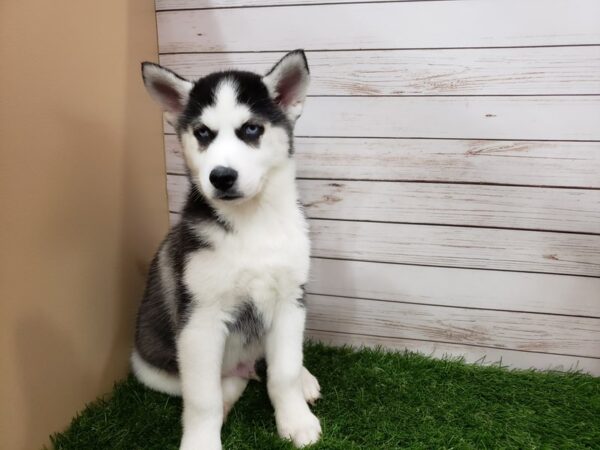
(228, 196)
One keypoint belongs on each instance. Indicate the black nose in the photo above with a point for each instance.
(223, 177)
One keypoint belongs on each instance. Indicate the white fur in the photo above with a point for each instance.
(154, 378)
(310, 387)
(173, 105)
(266, 259)
(251, 164)
(294, 419)
(291, 63)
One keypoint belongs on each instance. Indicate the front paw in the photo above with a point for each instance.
(200, 441)
(300, 426)
(310, 387)
(202, 445)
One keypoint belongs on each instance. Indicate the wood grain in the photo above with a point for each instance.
(470, 288)
(389, 25)
(449, 246)
(502, 71)
(514, 118)
(471, 354)
(545, 118)
(573, 164)
(575, 210)
(511, 330)
(487, 289)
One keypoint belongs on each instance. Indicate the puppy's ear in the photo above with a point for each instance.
(167, 88)
(288, 82)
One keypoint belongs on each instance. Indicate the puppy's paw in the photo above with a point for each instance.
(200, 439)
(200, 445)
(302, 428)
(310, 387)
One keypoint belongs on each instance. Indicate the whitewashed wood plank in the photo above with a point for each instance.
(485, 23)
(499, 329)
(513, 118)
(471, 354)
(512, 291)
(447, 246)
(191, 4)
(175, 163)
(553, 209)
(523, 71)
(574, 164)
(538, 118)
(177, 189)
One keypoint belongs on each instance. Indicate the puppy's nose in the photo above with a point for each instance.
(223, 177)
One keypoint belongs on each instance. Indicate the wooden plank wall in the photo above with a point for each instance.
(448, 159)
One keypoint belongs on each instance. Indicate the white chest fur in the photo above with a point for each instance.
(265, 258)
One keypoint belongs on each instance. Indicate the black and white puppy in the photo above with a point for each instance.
(226, 285)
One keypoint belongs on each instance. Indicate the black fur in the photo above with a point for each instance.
(302, 300)
(155, 334)
(197, 209)
(183, 240)
(251, 91)
(247, 322)
(287, 55)
(156, 331)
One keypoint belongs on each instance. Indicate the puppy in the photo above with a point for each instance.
(226, 285)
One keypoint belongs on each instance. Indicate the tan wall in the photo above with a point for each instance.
(83, 203)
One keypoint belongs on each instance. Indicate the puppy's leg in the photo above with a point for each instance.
(294, 419)
(310, 387)
(233, 387)
(200, 346)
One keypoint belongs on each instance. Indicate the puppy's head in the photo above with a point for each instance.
(234, 127)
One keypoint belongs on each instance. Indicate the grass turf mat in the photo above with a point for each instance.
(373, 400)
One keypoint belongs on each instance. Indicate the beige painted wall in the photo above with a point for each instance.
(83, 203)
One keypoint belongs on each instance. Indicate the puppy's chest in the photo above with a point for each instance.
(262, 264)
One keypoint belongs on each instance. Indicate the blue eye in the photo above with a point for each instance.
(203, 134)
(252, 130)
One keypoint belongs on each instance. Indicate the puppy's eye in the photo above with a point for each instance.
(204, 134)
(252, 130)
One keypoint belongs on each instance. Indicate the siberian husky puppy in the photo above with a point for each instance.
(226, 285)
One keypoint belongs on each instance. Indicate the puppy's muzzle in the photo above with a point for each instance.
(223, 178)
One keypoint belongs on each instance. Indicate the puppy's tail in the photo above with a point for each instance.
(154, 378)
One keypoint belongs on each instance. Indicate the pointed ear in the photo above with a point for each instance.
(288, 82)
(167, 88)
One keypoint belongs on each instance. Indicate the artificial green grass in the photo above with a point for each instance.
(373, 400)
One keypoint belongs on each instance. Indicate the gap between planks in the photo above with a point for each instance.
(201, 5)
